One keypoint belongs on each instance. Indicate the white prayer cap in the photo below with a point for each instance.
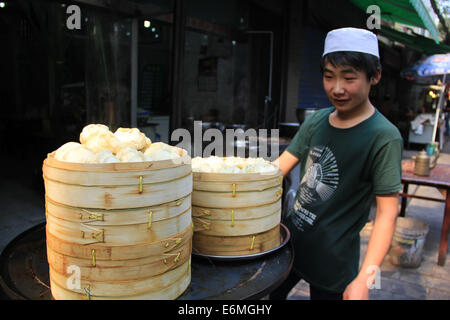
(351, 39)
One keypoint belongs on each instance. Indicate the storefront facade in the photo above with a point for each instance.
(160, 65)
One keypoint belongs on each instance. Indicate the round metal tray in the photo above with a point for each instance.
(24, 272)
(284, 234)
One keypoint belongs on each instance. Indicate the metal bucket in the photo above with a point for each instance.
(408, 241)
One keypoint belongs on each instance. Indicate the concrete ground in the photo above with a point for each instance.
(23, 207)
(427, 282)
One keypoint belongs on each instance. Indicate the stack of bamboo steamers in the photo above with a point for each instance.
(121, 212)
(119, 222)
(236, 206)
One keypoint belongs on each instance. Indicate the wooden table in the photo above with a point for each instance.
(439, 178)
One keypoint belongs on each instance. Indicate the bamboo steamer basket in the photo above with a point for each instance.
(237, 245)
(118, 230)
(164, 287)
(236, 214)
(117, 185)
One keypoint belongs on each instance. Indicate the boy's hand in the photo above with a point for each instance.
(357, 290)
(286, 161)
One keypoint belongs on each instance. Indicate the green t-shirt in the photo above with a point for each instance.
(341, 172)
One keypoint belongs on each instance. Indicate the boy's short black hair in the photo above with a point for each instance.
(361, 61)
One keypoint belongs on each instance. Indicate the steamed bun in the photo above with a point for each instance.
(100, 145)
(92, 130)
(75, 152)
(161, 151)
(97, 137)
(106, 156)
(132, 137)
(232, 165)
(130, 154)
(61, 152)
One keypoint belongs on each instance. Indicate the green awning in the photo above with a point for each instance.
(409, 12)
(418, 43)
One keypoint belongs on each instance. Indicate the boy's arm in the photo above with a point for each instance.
(286, 161)
(379, 243)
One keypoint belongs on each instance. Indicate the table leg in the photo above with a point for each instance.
(444, 233)
(404, 199)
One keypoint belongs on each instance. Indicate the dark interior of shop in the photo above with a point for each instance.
(56, 80)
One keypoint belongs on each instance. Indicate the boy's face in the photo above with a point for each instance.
(346, 87)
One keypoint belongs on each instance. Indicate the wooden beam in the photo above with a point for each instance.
(177, 63)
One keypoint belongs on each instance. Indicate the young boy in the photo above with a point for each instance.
(349, 153)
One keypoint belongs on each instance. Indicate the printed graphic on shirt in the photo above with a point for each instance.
(318, 185)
